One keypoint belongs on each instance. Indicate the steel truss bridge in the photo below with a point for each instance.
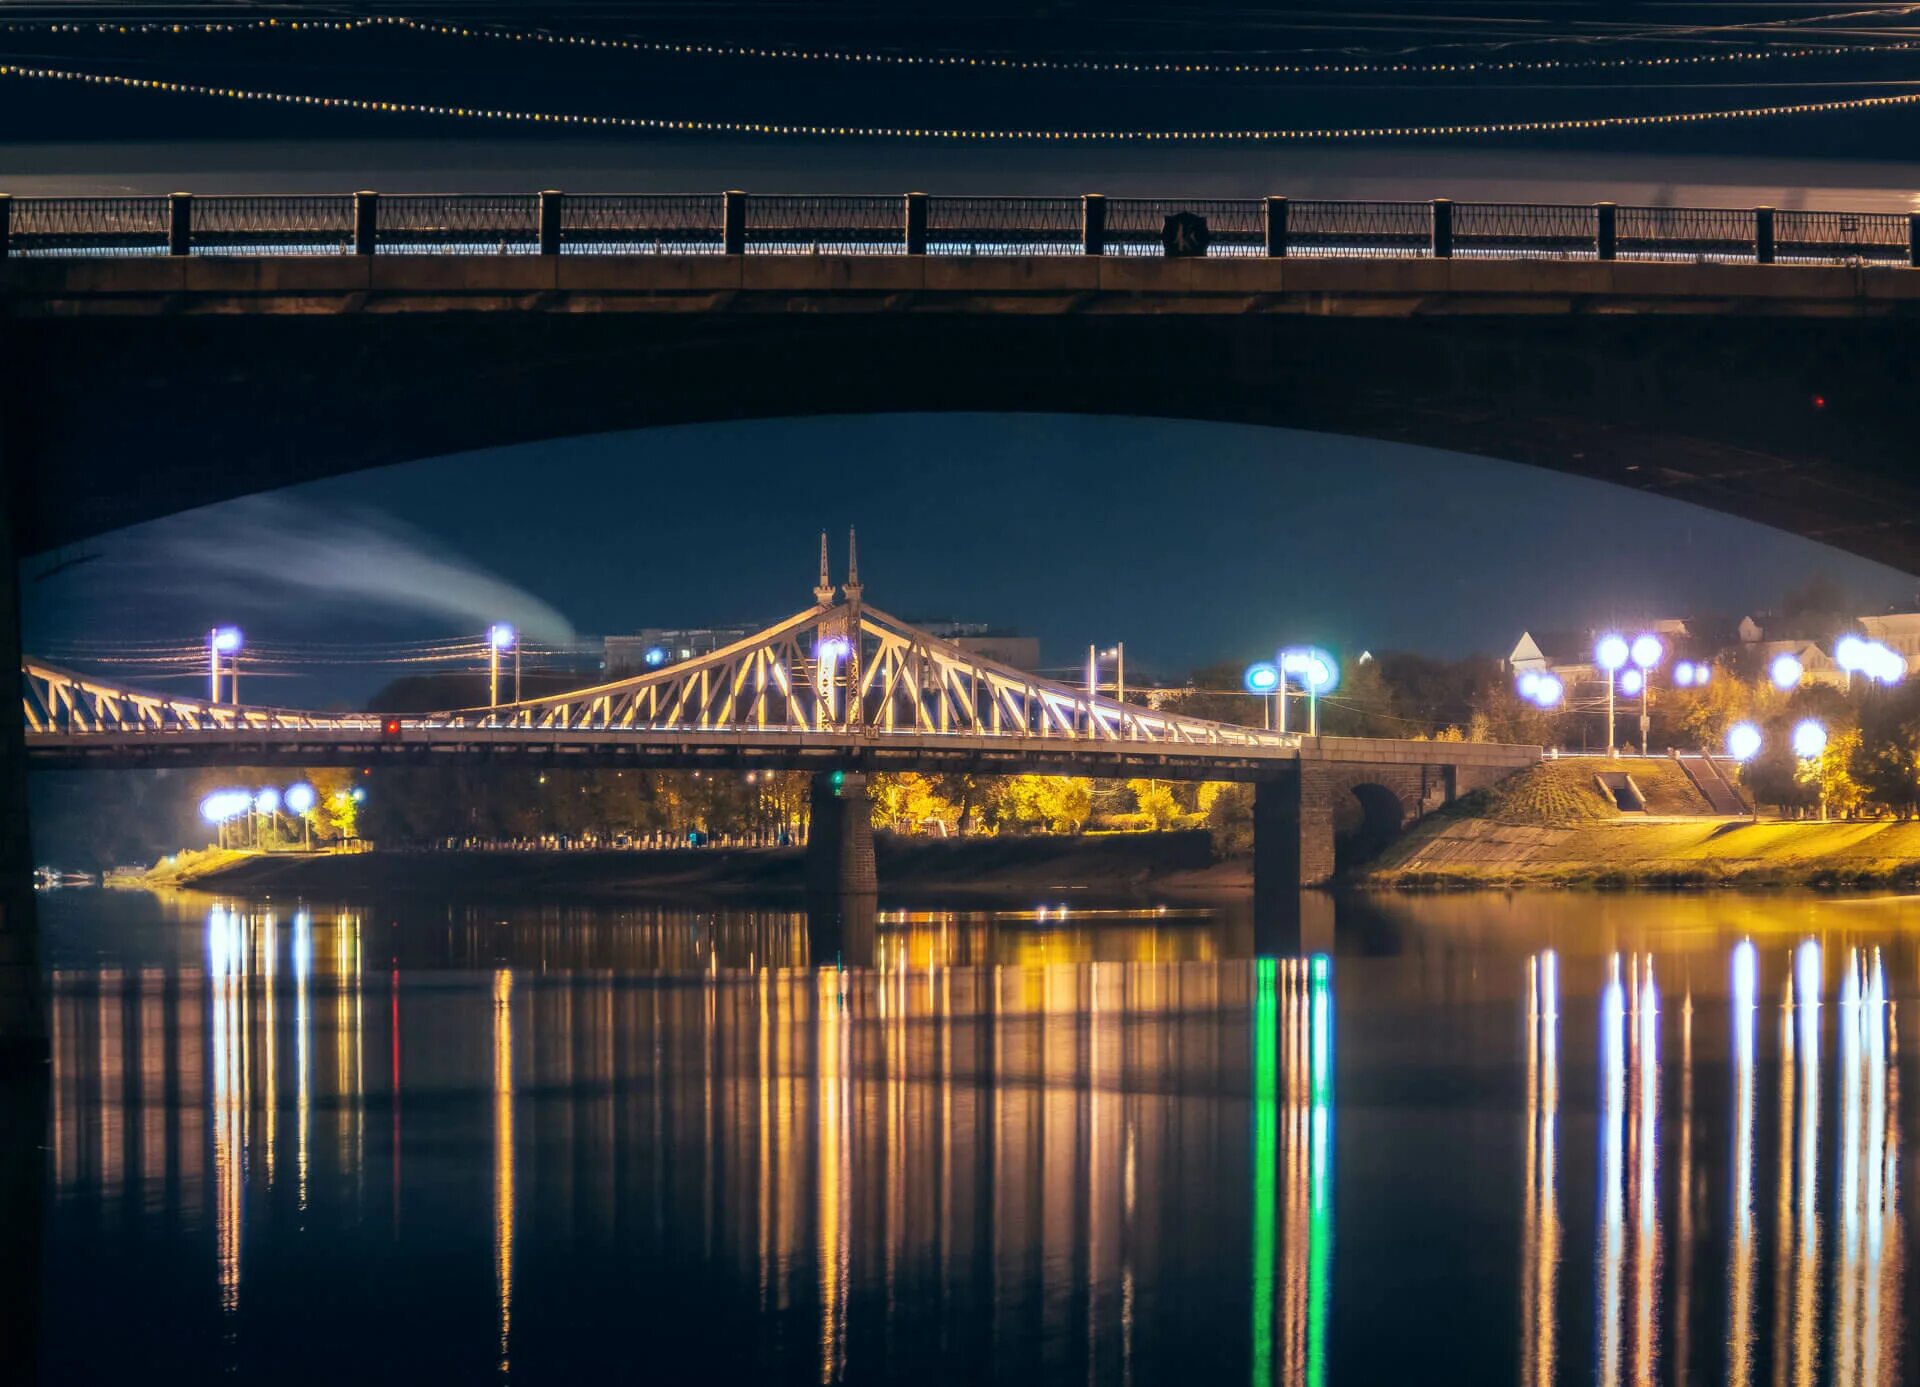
(801, 694)
(738, 223)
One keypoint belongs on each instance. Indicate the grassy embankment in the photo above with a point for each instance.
(1549, 826)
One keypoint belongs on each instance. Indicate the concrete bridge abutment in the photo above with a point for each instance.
(839, 860)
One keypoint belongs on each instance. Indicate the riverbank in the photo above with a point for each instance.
(1470, 852)
(1108, 865)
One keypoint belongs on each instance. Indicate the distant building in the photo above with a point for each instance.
(978, 638)
(1898, 631)
(655, 647)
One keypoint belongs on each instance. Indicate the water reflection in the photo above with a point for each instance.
(960, 1145)
(1292, 1141)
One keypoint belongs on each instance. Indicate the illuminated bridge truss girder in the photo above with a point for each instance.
(790, 687)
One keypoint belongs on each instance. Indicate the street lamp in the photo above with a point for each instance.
(1647, 653)
(1785, 672)
(223, 640)
(1743, 741)
(1809, 741)
(501, 637)
(1610, 652)
(1263, 678)
(300, 799)
(1542, 690)
(266, 804)
(1316, 672)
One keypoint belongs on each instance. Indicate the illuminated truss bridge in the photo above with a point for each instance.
(805, 692)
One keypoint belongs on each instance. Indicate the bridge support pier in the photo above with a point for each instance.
(843, 931)
(1292, 838)
(840, 836)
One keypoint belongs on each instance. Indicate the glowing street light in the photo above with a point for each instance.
(1743, 741)
(223, 640)
(1809, 741)
(1263, 678)
(1689, 674)
(223, 806)
(1871, 658)
(1632, 681)
(1610, 652)
(300, 799)
(1316, 672)
(501, 637)
(1541, 690)
(1785, 672)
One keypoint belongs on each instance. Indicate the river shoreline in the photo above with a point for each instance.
(1119, 867)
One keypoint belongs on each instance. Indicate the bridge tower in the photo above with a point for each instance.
(839, 858)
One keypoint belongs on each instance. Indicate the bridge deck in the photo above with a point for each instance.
(656, 284)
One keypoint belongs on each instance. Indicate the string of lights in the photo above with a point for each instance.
(664, 124)
(1331, 66)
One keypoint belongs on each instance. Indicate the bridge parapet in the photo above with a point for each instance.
(556, 224)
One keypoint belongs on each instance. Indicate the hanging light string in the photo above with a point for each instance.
(662, 124)
(1329, 67)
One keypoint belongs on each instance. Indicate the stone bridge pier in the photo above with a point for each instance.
(1347, 798)
(839, 855)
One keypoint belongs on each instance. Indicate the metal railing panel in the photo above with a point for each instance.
(296, 225)
(1235, 226)
(459, 224)
(1398, 230)
(1003, 226)
(1725, 234)
(1841, 238)
(621, 224)
(1526, 230)
(89, 226)
(785, 224)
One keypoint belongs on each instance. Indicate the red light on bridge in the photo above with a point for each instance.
(1819, 401)
(390, 728)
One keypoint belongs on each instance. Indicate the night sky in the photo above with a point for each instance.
(1193, 543)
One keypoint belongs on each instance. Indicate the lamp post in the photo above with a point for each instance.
(223, 640)
(1263, 679)
(1316, 672)
(300, 799)
(1610, 652)
(1809, 742)
(499, 638)
(1647, 652)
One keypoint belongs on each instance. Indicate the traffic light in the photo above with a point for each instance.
(838, 779)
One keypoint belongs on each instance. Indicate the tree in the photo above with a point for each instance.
(1060, 804)
(1155, 799)
(1832, 774)
(1228, 807)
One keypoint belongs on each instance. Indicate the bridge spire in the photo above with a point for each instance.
(854, 711)
(823, 590)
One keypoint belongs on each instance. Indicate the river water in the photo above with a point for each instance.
(1477, 1139)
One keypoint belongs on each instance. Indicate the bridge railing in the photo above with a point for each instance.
(738, 223)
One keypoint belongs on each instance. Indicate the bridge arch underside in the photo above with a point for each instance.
(1804, 423)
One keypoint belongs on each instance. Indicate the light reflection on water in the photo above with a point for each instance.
(1121, 1146)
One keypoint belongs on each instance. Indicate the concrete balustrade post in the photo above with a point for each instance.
(1277, 227)
(366, 222)
(551, 203)
(1093, 224)
(1606, 232)
(1913, 239)
(6, 224)
(916, 223)
(733, 223)
(180, 224)
(1763, 235)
